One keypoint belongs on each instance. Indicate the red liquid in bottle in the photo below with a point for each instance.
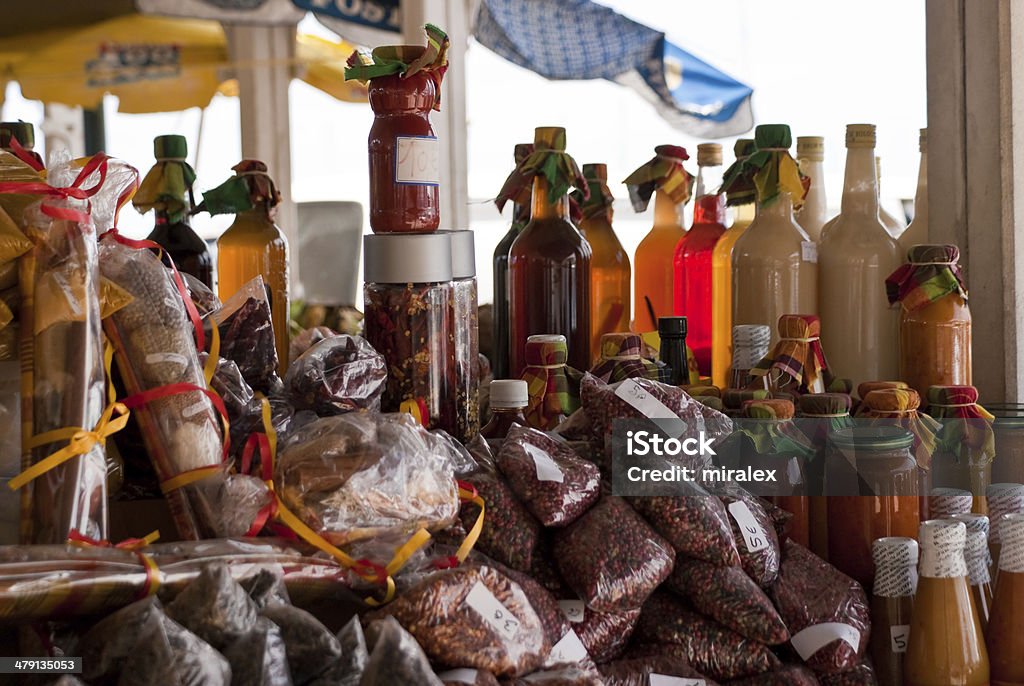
(693, 275)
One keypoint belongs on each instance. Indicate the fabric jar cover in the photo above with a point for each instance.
(547, 378)
(798, 361)
(775, 433)
(600, 199)
(967, 426)
(900, 406)
(663, 172)
(822, 413)
(770, 168)
(622, 358)
(548, 160)
(933, 272)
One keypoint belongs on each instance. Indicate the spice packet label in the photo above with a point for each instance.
(754, 535)
(662, 680)
(814, 638)
(649, 406)
(493, 612)
(569, 650)
(459, 676)
(547, 469)
(900, 635)
(417, 160)
(809, 251)
(573, 610)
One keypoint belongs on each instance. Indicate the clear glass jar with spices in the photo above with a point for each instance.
(467, 335)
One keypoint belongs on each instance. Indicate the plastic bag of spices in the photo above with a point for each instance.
(604, 634)
(259, 659)
(214, 607)
(396, 657)
(562, 675)
(611, 558)
(861, 675)
(640, 671)
(247, 335)
(472, 616)
(787, 675)
(755, 533)
(467, 677)
(697, 526)
(730, 597)
(826, 611)
(510, 534)
(310, 647)
(167, 653)
(337, 375)
(553, 483)
(707, 646)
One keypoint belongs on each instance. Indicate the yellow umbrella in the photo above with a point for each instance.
(153, 64)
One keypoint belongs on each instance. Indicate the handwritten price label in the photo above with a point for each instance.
(492, 611)
(753, 535)
(650, 407)
(662, 680)
(900, 635)
(418, 160)
(572, 609)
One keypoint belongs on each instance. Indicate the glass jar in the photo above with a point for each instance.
(1008, 467)
(872, 483)
(1005, 638)
(404, 154)
(410, 321)
(892, 605)
(467, 336)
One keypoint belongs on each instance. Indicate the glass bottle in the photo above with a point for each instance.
(859, 328)
(254, 246)
(934, 325)
(1009, 433)
(1005, 637)
(894, 226)
(549, 274)
(467, 335)
(810, 153)
(946, 645)
(693, 255)
(978, 559)
(672, 350)
(520, 217)
(609, 263)
(892, 605)
(509, 398)
(917, 230)
(652, 264)
(173, 231)
(1002, 499)
(872, 483)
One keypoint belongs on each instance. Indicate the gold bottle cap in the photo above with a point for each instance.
(709, 155)
(860, 136)
(810, 148)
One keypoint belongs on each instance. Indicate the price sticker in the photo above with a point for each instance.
(459, 676)
(547, 469)
(809, 251)
(573, 610)
(417, 160)
(815, 637)
(900, 635)
(649, 406)
(492, 611)
(569, 650)
(662, 680)
(753, 534)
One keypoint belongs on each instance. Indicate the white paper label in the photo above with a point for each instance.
(547, 469)
(168, 358)
(459, 676)
(573, 610)
(494, 613)
(649, 406)
(569, 650)
(814, 638)
(417, 160)
(900, 635)
(809, 251)
(662, 680)
(753, 534)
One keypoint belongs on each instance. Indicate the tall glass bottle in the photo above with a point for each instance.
(254, 246)
(774, 265)
(810, 153)
(892, 605)
(721, 276)
(946, 645)
(549, 269)
(520, 217)
(917, 230)
(167, 189)
(693, 255)
(859, 329)
(1005, 638)
(893, 225)
(609, 263)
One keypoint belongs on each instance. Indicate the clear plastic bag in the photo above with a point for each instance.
(817, 602)
(611, 558)
(107, 645)
(214, 607)
(167, 653)
(473, 616)
(555, 485)
(604, 634)
(562, 675)
(510, 534)
(310, 647)
(637, 671)
(754, 530)
(861, 675)
(306, 339)
(267, 588)
(247, 335)
(730, 597)
(337, 375)
(696, 525)
(205, 300)
(349, 669)
(259, 658)
(358, 476)
(396, 658)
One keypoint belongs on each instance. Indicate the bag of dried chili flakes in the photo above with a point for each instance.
(755, 533)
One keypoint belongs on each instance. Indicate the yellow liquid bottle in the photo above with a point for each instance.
(721, 295)
(654, 264)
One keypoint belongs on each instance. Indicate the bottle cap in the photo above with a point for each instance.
(1011, 555)
(597, 171)
(743, 147)
(895, 559)
(860, 135)
(1003, 499)
(671, 326)
(463, 254)
(922, 140)
(973, 521)
(709, 155)
(942, 549)
(549, 138)
(773, 136)
(946, 502)
(407, 258)
(23, 131)
(171, 146)
(507, 394)
(810, 148)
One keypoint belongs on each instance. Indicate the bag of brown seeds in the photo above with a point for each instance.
(510, 534)
(604, 634)
(696, 525)
(787, 675)
(553, 483)
(472, 616)
(637, 671)
(611, 558)
(861, 675)
(730, 597)
(819, 602)
(755, 534)
(707, 646)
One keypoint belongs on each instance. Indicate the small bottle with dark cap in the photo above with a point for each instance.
(672, 331)
(25, 135)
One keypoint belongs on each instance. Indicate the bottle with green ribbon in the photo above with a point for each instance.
(664, 177)
(549, 262)
(609, 264)
(253, 245)
(774, 266)
(167, 189)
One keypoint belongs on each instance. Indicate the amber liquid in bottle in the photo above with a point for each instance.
(185, 247)
(499, 344)
(609, 281)
(501, 422)
(721, 296)
(653, 266)
(254, 246)
(549, 282)
(1005, 625)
